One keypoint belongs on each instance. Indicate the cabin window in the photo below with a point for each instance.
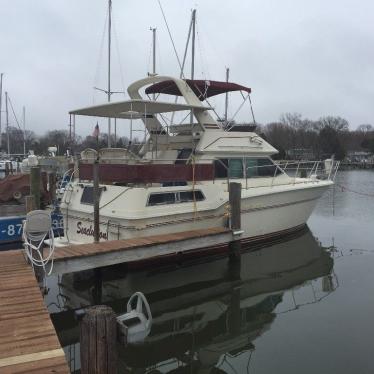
(183, 155)
(173, 184)
(254, 167)
(220, 168)
(87, 195)
(187, 196)
(161, 198)
(232, 166)
(235, 168)
(261, 167)
(175, 197)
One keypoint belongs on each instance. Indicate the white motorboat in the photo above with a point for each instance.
(179, 180)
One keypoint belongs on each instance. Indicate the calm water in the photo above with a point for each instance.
(304, 305)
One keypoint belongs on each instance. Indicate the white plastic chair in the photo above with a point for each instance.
(138, 320)
(36, 227)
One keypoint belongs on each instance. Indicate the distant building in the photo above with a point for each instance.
(300, 154)
(359, 156)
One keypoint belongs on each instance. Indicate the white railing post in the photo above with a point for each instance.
(275, 173)
(297, 170)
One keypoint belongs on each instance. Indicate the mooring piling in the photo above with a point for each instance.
(52, 186)
(29, 203)
(235, 191)
(96, 200)
(35, 185)
(98, 341)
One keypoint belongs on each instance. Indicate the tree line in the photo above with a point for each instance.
(293, 135)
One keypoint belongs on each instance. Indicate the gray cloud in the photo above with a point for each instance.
(309, 57)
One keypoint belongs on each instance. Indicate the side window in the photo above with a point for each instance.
(220, 168)
(251, 165)
(261, 167)
(188, 196)
(87, 195)
(235, 168)
(161, 198)
(183, 155)
(266, 168)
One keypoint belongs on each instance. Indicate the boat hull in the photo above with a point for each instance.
(275, 212)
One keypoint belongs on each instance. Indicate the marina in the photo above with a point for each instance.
(205, 207)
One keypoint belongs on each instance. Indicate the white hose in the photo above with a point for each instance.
(31, 248)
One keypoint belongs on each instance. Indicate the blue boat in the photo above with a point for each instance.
(11, 230)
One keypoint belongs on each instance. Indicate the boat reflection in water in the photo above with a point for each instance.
(203, 314)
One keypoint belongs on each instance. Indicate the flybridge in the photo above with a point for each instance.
(192, 91)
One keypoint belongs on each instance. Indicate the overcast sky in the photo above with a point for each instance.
(311, 57)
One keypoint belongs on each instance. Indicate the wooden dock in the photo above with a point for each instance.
(90, 256)
(28, 341)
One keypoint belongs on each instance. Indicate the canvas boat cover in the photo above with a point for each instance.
(202, 88)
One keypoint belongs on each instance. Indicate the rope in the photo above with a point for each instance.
(345, 188)
(115, 198)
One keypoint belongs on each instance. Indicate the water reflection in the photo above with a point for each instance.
(207, 316)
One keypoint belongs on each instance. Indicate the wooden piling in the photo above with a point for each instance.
(6, 169)
(35, 184)
(235, 191)
(30, 203)
(52, 185)
(98, 341)
(96, 200)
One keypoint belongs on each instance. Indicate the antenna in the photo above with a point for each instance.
(153, 29)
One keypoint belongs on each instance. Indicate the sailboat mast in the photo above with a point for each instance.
(227, 95)
(154, 50)
(109, 63)
(7, 121)
(193, 44)
(1, 102)
(24, 130)
(193, 21)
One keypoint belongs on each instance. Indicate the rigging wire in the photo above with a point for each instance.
(99, 60)
(237, 111)
(201, 46)
(170, 36)
(118, 56)
(14, 114)
(250, 104)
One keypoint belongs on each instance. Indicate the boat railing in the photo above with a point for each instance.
(191, 170)
(299, 171)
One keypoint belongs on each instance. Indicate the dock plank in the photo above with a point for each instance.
(105, 253)
(28, 340)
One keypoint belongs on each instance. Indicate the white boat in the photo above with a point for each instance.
(179, 180)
